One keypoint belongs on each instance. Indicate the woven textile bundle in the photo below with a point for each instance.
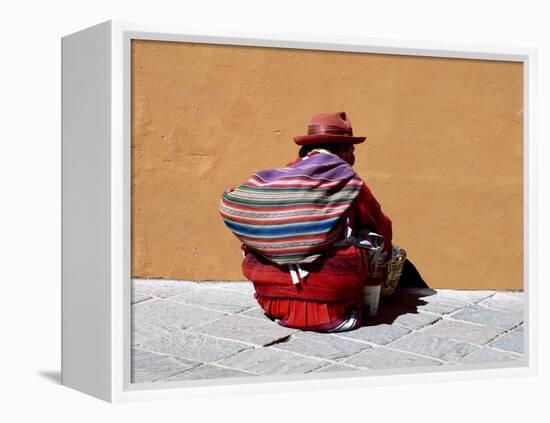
(290, 215)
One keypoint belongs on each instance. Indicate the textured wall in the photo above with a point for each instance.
(444, 153)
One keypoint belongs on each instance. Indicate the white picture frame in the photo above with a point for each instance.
(96, 279)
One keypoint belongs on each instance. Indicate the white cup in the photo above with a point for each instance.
(371, 298)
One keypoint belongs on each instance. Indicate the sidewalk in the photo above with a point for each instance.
(203, 330)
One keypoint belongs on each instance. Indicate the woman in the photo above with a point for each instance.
(325, 294)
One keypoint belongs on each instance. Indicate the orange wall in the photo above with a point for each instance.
(444, 153)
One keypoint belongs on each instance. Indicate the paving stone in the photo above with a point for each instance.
(433, 346)
(512, 341)
(518, 328)
(489, 317)
(256, 312)
(409, 297)
(246, 329)
(511, 302)
(208, 371)
(383, 358)
(379, 334)
(170, 291)
(224, 300)
(161, 288)
(163, 316)
(424, 300)
(156, 283)
(145, 333)
(144, 330)
(241, 286)
(336, 367)
(441, 305)
(488, 355)
(139, 295)
(403, 317)
(467, 296)
(451, 364)
(193, 346)
(462, 331)
(321, 345)
(270, 361)
(151, 367)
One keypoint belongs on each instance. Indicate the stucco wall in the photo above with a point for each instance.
(444, 153)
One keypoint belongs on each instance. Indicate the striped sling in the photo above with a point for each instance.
(290, 215)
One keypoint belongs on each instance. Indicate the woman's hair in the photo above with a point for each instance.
(333, 147)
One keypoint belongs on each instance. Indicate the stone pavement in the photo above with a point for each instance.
(203, 330)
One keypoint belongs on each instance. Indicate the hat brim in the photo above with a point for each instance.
(325, 138)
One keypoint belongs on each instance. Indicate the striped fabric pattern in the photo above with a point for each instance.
(290, 215)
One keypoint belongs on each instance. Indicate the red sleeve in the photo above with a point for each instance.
(367, 213)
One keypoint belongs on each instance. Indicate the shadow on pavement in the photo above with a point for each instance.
(406, 298)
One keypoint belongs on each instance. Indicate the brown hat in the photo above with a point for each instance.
(329, 127)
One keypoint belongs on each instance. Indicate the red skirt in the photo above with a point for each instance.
(323, 301)
(310, 315)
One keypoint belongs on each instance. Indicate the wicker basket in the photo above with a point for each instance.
(390, 271)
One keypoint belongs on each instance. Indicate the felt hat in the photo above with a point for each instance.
(329, 128)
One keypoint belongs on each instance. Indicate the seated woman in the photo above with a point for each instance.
(310, 272)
